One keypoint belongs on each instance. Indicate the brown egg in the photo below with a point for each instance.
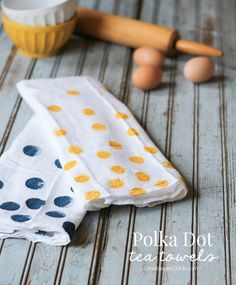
(147, 77)
(148, 55)
(199, 69)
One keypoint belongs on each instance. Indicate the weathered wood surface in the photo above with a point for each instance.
(193, 125)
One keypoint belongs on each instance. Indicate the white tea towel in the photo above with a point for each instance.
(103, 155)
(36, 199)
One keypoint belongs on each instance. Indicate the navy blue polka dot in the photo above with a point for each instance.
(45, 233)
(63, 201)
(34, 203)
(31, 150)
(69, 227)
(72, 190)
(10, 206)
(55, 214)
(20, 218)
(34, 183)
(57, 163)
(1, 184)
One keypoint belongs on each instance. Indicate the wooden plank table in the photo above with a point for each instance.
(194, 125)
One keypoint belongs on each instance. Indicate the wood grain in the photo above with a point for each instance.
(194, 125)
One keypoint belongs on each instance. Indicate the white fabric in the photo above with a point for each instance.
(82, 150)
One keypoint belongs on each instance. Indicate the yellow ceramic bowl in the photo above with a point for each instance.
(39, 42)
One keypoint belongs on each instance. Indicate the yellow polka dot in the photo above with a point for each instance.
(167, 164)
(89, 112)
(142, 176)
(118, 169)
(60, 132)
(103, 154)
(115, 145)
(70, 164)
(116, 183)
(120, 115)
(99, 127)
(162, 183)
(72, 92)
(81, 178)
(150, 149)
(75, 149)
(132, 132)
(137, 192)
(136, 159)
(92, 195)
(54, 108)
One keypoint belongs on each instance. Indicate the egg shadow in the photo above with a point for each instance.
(217, 78)
(165, 85)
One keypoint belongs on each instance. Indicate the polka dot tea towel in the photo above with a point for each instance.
(36, 199)
(82, 150)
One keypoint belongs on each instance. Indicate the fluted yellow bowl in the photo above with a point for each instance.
(39, 42)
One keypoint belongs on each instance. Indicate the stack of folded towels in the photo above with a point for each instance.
(82, 150)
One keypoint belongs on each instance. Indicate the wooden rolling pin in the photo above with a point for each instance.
(134, 33)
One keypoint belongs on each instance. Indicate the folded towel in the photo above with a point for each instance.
(82, 150)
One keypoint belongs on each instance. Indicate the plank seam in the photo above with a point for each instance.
(7, 65)
(167, 152)
(170, 111)
(225, 160)
(195, 174)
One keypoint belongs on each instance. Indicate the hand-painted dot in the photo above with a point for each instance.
(98, 127)
(34, 183)
(69, 227)
(142, 176)
(150, 149)
(89, 112)
(55, 214)
(58, 163)
(92, 195)
(72, 92)
(31, 150)
(162, 183)
(121, 115)
(34, 203)
(20, 218)
(75, 149)
(63, 201)
(103, 154)
(72, 190)
(137, 192)
(1, 184)
(136, 159)
(45, 233)
(132, 132)
(70, 165)
(115, 145)
(118, 169)
(54, 108)
(10, 206)
(60, 132)
(82, 178)
(167, 164)
(116, 183)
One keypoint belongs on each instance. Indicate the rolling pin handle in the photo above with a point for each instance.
(195, 48)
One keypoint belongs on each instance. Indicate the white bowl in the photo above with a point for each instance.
(39, 12)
